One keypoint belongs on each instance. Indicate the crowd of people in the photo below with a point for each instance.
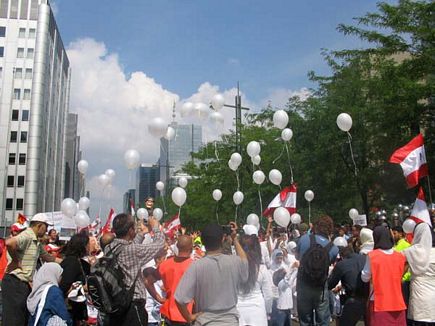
(222, 275)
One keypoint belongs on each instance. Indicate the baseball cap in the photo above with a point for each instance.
(41, 217)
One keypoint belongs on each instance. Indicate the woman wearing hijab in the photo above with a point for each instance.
(45, 303)
(421, 260)
(366, 238)
(384, 269)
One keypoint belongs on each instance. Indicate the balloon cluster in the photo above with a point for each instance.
(76, 211)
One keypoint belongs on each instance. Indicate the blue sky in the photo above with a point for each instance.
(131, 60)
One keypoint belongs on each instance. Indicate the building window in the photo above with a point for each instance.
(23, 138)
(18, 73)
(20, 205)
(13, 137)
(11, 181)
(26, 94)
(17, 93)
(32, 33)
(2, 51)
(30, 53)
(12, 157)
(20, 53)
(20, 181)
(2, 31)
(22, 159)
(25, 115)
(9, 204)
(15, 114)
(22, 33)
(29, 73)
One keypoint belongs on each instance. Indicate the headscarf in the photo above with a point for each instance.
(367, 243)
(275, 265)
(418, 254)
(48, 274)
(382, 238)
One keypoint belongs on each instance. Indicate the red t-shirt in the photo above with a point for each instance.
(171, 271)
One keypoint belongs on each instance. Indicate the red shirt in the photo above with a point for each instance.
(171, 271)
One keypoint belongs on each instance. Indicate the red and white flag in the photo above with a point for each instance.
(420, 212)
(412, 159)
(286, 198)
(108, 226)
(172, 225)
(133, 213)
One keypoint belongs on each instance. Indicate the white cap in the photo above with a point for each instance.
(41, 217)
(250, 229)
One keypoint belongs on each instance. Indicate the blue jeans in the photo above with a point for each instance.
(279, 317)
(312, 299)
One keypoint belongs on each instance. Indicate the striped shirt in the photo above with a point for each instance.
(29, 249)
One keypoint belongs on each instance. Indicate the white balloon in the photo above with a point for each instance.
(68, 207)
(250, 229)
(256, 160)
(201, 111)
(280, 119)
(232, 165)
(82, 166)
(218, 119)
(217, 194)
(275, 177)
(344, 121)
(179, 196)
(236, 158)
(110, 173)
(142, 213)
(157, 127)
(238, 197)
(157, 214)
(170, 133)
(309, 195)
(84, 203)
(340, 242)
(253, 148)
(287, 134)
(252, 219)
(217, 102)
(103, 180)
(132, 159)
(295, 218)
(353, 213)
(160, 185)
(408, 225)
(258, 177)
(182, 182)
(281, 216)
(81, 219)
(186, 109)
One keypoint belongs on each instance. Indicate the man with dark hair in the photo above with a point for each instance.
(132, 258)
(24, 249)
(348, 271)
(400, 239)
(314, 297)
(212, 281)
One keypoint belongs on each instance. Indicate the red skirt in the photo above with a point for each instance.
(383, 318)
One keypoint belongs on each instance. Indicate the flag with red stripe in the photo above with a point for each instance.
(286, 198)
(133, 213)
(412, 159)
(172, 225)
(108, 226)
(420, 212)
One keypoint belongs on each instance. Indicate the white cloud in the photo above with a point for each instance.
(279, 97)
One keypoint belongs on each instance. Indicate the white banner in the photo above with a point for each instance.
(63, 224)
(361, 220)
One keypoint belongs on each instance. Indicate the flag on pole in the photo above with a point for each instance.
(108, 226)
(412, 159)
(286, 198)
(22, 219)
(133, 213)
(420, 212)
(172, 225)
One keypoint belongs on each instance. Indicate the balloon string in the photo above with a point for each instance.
(217, 215)
(282, 152)
(351, 153)
(261, 202)
(238, 181)
(206, 150)
(216, 150)
(288, 157)
(235, 218)
(163, 201)
(179, 213)
(309, 213)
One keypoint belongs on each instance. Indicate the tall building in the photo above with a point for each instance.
(130, 194)
(74, 181)
(146, 178)
(34, 96)
(175, 153)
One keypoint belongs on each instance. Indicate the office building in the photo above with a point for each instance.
(130, 194)
(74, 181)
(146, 178)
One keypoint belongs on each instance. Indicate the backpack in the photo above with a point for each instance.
(315, 263)
(106, 284)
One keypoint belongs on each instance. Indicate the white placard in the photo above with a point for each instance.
(361, 220)
(65, 226)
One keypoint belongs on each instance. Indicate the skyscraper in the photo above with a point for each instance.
(146, 178)
(34, 96)
(175, 153)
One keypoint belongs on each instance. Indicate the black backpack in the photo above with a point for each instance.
(106, 285)
(315, 263)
